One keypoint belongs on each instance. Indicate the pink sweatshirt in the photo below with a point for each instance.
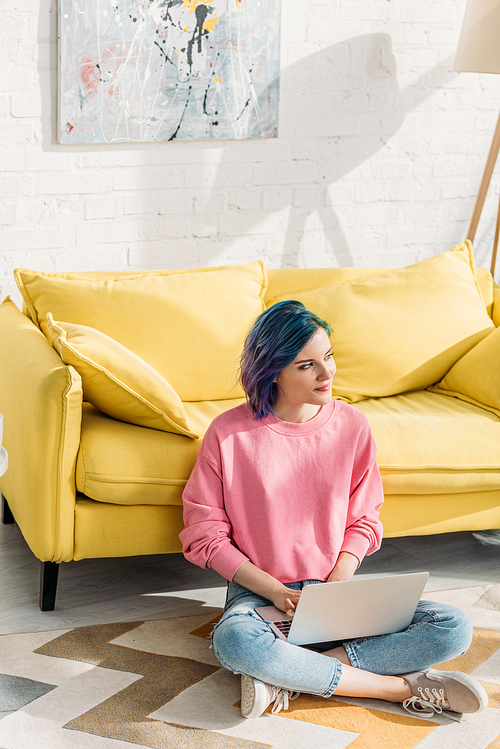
(288, 497)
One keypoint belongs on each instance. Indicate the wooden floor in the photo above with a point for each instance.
(97, 591)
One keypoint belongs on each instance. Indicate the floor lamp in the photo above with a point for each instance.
(479, 52)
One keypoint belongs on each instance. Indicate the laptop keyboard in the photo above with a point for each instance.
(283, 626)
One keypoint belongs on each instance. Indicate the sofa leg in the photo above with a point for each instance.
(7, 516)
(48, 585)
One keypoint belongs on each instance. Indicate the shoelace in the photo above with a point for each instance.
(281, 699)
(428, 702)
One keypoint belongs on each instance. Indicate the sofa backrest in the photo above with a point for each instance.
(187, 324)
(287, 280)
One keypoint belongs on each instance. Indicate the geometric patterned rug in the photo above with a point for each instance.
(157, 684)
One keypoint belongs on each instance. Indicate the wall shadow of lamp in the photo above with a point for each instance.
(354, 85)
(478, 51)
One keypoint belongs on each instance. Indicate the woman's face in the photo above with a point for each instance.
(308, 379)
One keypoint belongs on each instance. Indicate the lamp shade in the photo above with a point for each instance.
(478, 48)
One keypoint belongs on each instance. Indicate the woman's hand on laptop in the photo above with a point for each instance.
(287, 600)
(260, 582)
(344, 569)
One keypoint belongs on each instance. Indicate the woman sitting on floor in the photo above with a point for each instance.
(286, 492)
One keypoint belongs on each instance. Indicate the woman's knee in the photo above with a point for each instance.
(451, 626)
(463, 628)
(238, 638)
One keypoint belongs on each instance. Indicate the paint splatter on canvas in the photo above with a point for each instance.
(160, 70)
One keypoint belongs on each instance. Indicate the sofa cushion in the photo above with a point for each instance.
(126, 464)
(117, 381)
(428, 443)
(475, 377)
(404, 329)
(486, 285)
(283, 281)
(189, 325)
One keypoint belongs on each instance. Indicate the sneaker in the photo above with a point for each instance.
(256, 696)
(442, 691)
(488, 538)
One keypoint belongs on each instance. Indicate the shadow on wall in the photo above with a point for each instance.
(346, 97)
(338, 107)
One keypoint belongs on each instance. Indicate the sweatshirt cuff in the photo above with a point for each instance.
(227, 561)
(356, 543)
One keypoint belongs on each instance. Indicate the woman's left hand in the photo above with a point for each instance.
(346, 566)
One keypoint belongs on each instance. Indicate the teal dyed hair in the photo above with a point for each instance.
(275, 339)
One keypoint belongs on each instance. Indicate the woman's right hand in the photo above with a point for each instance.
(260, 582)
(286, 600)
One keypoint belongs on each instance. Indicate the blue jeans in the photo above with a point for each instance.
(245, 644)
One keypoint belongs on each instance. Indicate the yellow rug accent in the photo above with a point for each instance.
(493, 691)
(206, 629)
(377, 729)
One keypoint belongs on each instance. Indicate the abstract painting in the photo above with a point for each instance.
(164, 70)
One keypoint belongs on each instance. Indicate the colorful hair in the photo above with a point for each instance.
(273, 342)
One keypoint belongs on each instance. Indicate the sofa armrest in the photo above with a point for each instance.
(495, 314)
(41, 402)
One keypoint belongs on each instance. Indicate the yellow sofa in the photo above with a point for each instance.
(98, 462)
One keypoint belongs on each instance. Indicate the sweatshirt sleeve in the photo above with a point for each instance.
(207, 535)
(363, 534)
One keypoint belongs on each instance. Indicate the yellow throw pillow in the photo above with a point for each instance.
(402, 330)
(189, 325)
(118, 382)
(475, 377)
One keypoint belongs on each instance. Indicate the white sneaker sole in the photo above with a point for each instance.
(247, 696)
(254, 697)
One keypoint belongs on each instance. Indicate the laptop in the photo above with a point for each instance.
(361, 607)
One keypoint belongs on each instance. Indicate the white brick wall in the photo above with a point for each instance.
(378, 161)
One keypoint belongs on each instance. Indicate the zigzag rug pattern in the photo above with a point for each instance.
(158, 684)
